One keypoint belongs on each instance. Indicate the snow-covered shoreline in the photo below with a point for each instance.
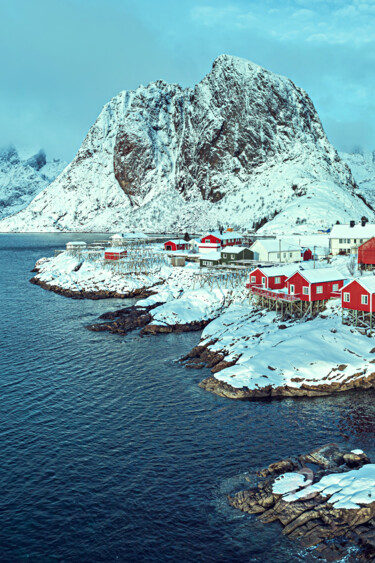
(252, 353)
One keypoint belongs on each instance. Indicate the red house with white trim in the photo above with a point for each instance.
(229, 238)
(270, 278)
(306, 254)
(112, 254)
(315, 285)
(174, 245)
(366, 253)
(359, 295)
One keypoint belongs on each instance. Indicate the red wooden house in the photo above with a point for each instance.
(359, 295)
(176, 245)
(270, 278)
(113, 254)
(315, 285)
(366, 253)
(229, 238)
(306, 254)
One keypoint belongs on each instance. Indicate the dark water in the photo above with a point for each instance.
(109, 450)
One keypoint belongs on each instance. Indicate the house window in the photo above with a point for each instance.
(346, 297)
(364, 299)
(204, 263)
(291, 289)
(340, 241)
(319, 289)
(335, 287)
(232, 255)
(225, 256)
(305, 290)
(290, 254)
(253, 279)
(278, 254)
(284, 254)
(277, 280)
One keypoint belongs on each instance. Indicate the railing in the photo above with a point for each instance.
(277, 296)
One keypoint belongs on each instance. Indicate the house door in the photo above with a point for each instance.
(291, 289)
(263, 282)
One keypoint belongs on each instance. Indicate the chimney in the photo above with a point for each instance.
(352, 223)
(363, 222)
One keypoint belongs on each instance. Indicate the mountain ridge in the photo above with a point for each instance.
(244, 146)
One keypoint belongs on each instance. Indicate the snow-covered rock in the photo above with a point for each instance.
(244, 146)
(362, 165)
(22, 179)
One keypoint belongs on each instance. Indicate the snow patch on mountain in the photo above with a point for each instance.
(244, 147)
(362, 165)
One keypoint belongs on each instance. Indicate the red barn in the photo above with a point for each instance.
(366, 253)
(270, 278)
(229, 238)
(306, 254)
(359, 295)
(113, 254)
(176, 245)
(315, 285)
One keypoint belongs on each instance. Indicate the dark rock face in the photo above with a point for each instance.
(313, 521)
(124, 320)
(38, 160)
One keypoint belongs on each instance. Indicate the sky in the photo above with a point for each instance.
(62, 60)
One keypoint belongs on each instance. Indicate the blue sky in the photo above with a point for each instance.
(61, 60)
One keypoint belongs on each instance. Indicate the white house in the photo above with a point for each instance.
(205, 247)
(194, 245)
(345, 239)
(117, 240)
(274, 250)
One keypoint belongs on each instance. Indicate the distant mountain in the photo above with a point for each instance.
(245, 148)
(362, 166)
(22, 179)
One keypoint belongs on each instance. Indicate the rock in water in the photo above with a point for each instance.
(243, 142)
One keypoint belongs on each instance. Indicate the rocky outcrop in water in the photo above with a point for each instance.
(313, 520)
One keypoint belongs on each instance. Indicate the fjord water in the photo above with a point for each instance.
(109, 450)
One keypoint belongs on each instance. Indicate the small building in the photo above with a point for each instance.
(273, 250)
(229, 238)
(205, 247)
(359, 295)
(111, 254)
(270, 277)
(230, 254)
(210, 259)
(306, 254)
(117, 240)
(194, 245)
(345, 239)
(76, 245)
(178, 261)
(174, 245)
(315, 285)
(366, 254)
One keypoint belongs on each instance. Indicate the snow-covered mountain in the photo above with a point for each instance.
(362, 165)
(244, 147)
(22, 179)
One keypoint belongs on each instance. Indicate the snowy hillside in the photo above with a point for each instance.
(22, 179)
(242, 147)
(362, 166)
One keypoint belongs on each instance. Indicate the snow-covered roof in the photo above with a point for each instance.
(273, 271)
(77, 243)
(233, 249)
(224, 236)
(116, 237)
(210, 256)
(367, 282)
(346, 231)
(114, 250)
(321, 275)
(274, 245)
(176, 241)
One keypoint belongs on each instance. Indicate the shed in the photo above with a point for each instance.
(306, 254)
(111, 254)
(176, 244)
(76, 245)
(315, 285)
(230, 254)
(178, 261)
(366, 253)
(210, 259)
